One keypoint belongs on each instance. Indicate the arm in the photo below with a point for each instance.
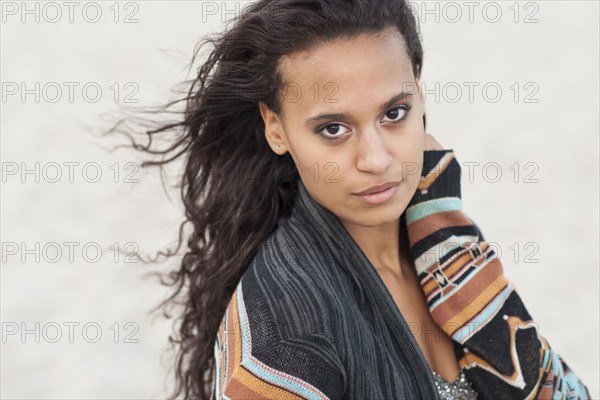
(250, 367)
(495, 338)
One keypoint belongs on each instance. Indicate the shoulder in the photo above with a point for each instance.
(282, 286)
(282, 295)
(273, 338)
(250, 361)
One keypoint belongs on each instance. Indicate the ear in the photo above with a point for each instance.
(274, 132)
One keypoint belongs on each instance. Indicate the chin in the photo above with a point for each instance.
(381, 215)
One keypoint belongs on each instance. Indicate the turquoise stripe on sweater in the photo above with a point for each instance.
(429, 207)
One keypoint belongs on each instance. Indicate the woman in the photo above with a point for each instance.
(330, 257)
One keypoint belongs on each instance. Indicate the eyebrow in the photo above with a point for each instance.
(387, 104)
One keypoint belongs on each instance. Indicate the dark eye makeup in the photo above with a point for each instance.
(396, 109)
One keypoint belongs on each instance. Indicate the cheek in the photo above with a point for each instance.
(316, 162)
(409, 160)
(302, 144)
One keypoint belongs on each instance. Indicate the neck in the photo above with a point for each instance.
(381, 245)
(385, 246)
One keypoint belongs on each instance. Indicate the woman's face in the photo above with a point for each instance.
(377, 135)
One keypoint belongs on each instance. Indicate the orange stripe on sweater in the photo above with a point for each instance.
(246, 385)
(233, 337)
(243, 384)
(455, 311)
(429, 283)
(452, 266)
(433, 174)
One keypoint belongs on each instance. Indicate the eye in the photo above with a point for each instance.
(330, 131)
(398, 113)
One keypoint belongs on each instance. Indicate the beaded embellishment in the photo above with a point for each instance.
(459, 390)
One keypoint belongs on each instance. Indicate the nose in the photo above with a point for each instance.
(373, 155)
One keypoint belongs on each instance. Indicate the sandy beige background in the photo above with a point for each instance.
(545, 51)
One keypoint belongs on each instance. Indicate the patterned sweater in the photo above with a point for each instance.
(312, 319)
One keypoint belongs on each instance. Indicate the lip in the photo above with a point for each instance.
(377, 188)
(386, 191)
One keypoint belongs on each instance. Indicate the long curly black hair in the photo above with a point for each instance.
(233, 187)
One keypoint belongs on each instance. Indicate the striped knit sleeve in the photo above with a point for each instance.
(496, 340)
(251, 364)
